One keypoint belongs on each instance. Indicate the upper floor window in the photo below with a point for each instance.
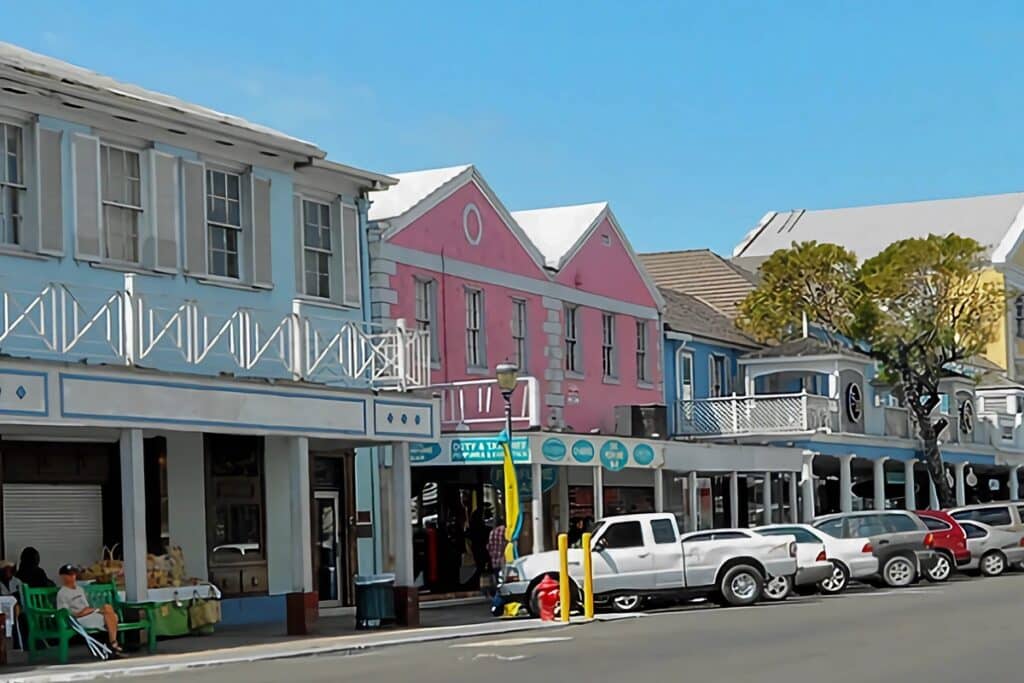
(476, 356)
(1019, 306)
(121, 187)
(608, 344)
(317, 248)
(426, 314)
(12, 183)
(224, 221)
(641, 351)
(573, 360)
(519, 331)
(718, 375)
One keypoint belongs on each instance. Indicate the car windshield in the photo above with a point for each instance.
(832, 527)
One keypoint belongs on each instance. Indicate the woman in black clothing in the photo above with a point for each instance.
(29, 571)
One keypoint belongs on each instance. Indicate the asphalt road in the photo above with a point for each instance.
(966, 630)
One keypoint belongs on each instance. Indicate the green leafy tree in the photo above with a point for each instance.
(919, 307)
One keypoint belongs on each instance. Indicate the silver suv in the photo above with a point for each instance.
(1008, 516)
(899, 539)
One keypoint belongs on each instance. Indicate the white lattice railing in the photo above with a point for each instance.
(755, 414)
(478, 404)
(79, 323)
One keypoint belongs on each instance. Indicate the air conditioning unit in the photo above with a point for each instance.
(641, 421)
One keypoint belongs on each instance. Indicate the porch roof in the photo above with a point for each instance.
(803, 348)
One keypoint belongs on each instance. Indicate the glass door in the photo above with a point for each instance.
(328, 542)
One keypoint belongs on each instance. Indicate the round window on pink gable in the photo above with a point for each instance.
(472, 224)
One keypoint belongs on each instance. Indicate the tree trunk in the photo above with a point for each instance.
(932, 458)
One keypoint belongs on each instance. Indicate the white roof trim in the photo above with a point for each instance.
(1011, 241)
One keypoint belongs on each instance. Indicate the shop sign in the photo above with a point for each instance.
(548, 479)
(423, 452)
(488, 449)
(553, 449)
(583, 451)
(643, 454)
(614, 455)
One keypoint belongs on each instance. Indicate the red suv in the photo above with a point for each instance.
(950, 544)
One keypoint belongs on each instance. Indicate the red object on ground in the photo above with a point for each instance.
(948, 535)
(547, 598)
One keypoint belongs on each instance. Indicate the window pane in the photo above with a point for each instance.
(218, 210)
(624, 535)
(325, 238)
(217, 239)
(325, 215)
(233, 184)
(663, 531)
(935, 524)
(234, 213)
(833, 527)
(218, 183)
(999, 516)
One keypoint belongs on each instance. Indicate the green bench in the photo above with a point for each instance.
(46, 622)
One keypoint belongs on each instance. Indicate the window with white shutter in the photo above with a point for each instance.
(121, 191)
(13, 186)
(351, 257)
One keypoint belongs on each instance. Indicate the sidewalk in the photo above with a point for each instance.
(246, 644)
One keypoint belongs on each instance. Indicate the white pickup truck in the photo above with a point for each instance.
(635, 556)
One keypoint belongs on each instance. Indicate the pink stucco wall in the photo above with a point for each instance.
(606, 271)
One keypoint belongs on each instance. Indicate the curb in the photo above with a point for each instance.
(143, 669)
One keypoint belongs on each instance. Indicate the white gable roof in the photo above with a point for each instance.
(867, 230)
(63, 74)
(557, 230)
(412, 188)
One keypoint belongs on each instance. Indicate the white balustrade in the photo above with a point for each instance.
(761, 414)
(478, 405)
(81, 323)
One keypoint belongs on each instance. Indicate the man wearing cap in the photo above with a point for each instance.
(72, 598)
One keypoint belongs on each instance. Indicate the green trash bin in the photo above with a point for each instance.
(375, 601)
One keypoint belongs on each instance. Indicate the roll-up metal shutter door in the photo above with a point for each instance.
(63, 522)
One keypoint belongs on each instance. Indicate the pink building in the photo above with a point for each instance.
(558, 291)
(561, 293)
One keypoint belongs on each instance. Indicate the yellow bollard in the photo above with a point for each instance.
(564, 600)
(588, 579)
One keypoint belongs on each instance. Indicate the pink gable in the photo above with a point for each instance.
(606, 269)
(455, 225)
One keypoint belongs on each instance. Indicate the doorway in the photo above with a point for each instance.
(334, 528)
(328, 545)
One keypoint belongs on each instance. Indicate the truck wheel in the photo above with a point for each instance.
(778, 588)
(899, 571)
(741, 585)
(626, 603)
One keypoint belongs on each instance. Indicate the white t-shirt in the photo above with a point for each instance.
(72, 599)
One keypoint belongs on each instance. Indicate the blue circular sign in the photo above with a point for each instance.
(614, 455)
(583, 451)
(643, 454)
(553, 449)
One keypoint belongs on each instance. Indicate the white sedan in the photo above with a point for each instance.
(851, 558)
(993, 550)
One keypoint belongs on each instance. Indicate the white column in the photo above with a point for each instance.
(186, 499)
(659, 490)
(794, 511)
(767, 497)
(845, 483)
(909, 494)
(537, 507)
(879, 482)
(563, 500)
(933, 495)
(734, 499)
(289, 547)
(598, 493)
(693, 501)
(961, 487)
(1014, 483)
(807, 482)
(133, 510)
(401, 515)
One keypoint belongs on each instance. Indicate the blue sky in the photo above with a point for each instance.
(692, 119)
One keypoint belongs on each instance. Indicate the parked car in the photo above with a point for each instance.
(641, 555)
(901, 542)
(1004, 515)
(812, 565)
(851, 558)
(950, 544)
(992, 550)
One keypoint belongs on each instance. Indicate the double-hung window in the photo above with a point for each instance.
(608, 345)
(317, 248)
(718, 371)
(426, 314)
(12, 183)
(224, 221)
(476, 357)
(573, 361)
(641, 351)
(121, 180)
(519, 331)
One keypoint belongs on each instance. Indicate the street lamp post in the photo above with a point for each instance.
(507, 377)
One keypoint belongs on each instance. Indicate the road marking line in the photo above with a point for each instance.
(502, 658)
(514, 642)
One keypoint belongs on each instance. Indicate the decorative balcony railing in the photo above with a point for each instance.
(762, 414)
(86, 324)
(471, 405)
